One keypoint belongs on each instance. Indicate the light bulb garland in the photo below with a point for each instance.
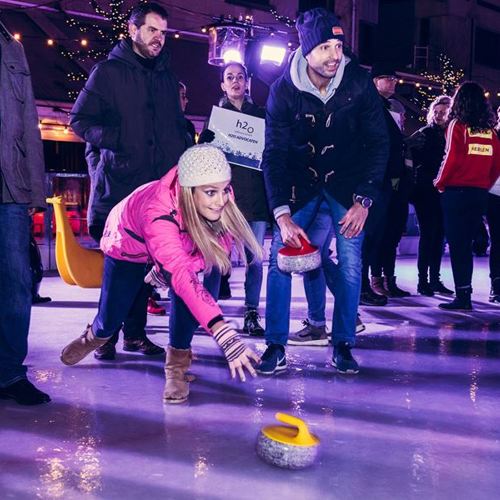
(445, 81)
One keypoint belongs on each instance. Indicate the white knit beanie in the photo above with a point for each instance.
(203, 164)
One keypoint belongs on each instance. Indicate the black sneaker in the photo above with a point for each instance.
(309, 335)
(495, 291)
(24, 392)
(273, 360)
(343, 359)
(360, 326)
(438, 287)
(251, 325)
(38, 299)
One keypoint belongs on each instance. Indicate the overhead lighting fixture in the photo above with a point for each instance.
(226, 44)
(273, 54)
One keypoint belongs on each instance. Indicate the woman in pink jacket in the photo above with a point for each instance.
(184, 224)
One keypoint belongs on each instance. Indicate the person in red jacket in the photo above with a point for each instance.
(470, 168)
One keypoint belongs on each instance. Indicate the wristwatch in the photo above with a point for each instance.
(364, 201)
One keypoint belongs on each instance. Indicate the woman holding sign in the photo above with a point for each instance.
(248, 185)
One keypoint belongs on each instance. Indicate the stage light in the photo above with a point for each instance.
(232, 55)
(273, 54)
(225, 44)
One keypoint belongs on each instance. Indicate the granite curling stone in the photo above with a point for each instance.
(289, 446)
(299, 260)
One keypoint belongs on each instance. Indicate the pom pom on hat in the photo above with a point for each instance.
(203, 164)
(316, 26)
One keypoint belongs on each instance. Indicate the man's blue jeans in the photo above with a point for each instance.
(321, 233)
(342, 278)
(253, 275)
(15, 291)
(121, 283)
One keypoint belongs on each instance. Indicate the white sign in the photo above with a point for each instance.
(240, 136)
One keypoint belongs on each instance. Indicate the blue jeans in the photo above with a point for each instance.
(15, 291)
(342, 278)
(182, 323)
(321, 233)
(253, 275)
(121, 283)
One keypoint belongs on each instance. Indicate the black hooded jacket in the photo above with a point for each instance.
(131, 114)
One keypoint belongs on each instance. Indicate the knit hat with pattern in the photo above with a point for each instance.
(203, 164)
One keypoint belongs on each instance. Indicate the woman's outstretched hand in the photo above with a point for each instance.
(244, 361)
(238, 355)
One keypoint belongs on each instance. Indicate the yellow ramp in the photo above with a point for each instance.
(76, 265)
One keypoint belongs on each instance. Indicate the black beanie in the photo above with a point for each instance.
(316, 26)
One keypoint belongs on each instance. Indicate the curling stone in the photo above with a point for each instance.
(289, 446)
(299, 260)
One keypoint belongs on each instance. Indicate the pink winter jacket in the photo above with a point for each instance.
(147, 227)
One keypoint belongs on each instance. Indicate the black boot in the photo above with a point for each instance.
(24, 393)
(424, 288)
(393, 289)
(252, 326)
(369, 298)
(462, 302)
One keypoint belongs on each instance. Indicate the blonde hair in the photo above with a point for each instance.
(206, 237)
(441, 100)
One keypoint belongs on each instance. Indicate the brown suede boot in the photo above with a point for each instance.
(177, 381)
(82, 346)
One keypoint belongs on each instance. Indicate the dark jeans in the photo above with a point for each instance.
(182, 323)
(374, 233)
(427, 203)
(135, 323)
(395, 225)
(493, 218)
(15, 291)
(463, 209)
(121, 282)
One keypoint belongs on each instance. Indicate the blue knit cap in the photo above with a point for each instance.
(316, 26)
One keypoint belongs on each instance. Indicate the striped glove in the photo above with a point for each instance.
(238, 355)
(230, 342)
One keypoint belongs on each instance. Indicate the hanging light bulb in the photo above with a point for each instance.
(50, 42)
(84, 42)
(177, 34)
(17, 36)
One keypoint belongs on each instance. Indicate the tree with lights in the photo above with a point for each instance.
(446, 79)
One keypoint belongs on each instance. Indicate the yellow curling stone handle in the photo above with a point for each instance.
(297, 434)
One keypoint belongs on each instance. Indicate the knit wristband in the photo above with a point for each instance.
(230, 342)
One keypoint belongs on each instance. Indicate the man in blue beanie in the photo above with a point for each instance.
(326, 144)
